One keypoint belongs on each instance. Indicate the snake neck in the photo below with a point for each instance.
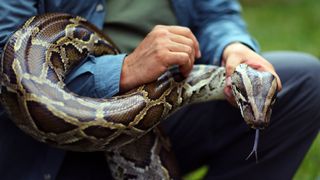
(205, 83)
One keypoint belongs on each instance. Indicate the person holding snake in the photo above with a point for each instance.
(179, 34)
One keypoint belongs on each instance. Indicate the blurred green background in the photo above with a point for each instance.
(285, 25)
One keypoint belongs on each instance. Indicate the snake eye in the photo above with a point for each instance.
(238, 89)
(243, 102)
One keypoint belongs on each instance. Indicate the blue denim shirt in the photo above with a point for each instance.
(216, 23)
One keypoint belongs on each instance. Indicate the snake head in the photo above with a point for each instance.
(255, 93)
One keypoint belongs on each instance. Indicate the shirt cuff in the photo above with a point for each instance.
(107, 75)
(97, 76)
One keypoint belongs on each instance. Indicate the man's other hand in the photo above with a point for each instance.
(237, 53)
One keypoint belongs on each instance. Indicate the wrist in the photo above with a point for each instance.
(126, 81)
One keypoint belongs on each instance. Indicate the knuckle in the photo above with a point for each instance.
(229, 70)
(159, 54)
(159, 44)
(184, 58)
(186, 29)
(162, 33)
(189, 50)
(158, 27)
(163, 68)
(190, 42)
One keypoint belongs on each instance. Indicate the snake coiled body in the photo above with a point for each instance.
(38, 57)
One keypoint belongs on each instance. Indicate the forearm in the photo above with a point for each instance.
(219, 24)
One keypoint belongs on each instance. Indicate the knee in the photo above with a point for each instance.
(296, 66)
(305, 71)
(300, 76)
(310, 66)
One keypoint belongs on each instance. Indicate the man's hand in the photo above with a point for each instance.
(163, 47)
(237, 53)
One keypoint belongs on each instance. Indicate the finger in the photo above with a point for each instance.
(231, 63)
(178, 47)
(186, 41)
(268, 68)
(185, 70)
(273, 72)
(184, 31)
(228, 91)
(182, 59)
(279, 84)
(229, 96)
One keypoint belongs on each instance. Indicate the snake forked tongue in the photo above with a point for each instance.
(255, 146)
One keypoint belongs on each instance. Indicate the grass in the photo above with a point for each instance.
(285, 25)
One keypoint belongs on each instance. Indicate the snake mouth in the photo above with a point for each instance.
(259, 124)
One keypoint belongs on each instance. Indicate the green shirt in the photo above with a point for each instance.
(127, 22)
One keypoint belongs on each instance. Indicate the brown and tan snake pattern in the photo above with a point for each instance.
(37, 58)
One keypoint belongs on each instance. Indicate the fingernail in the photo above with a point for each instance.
(199, 54)
(229, 92)
(226, 91)
(228, 81)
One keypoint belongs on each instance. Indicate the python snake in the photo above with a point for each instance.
(39, 55)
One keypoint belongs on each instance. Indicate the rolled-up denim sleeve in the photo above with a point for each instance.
(97, 76)
(13, 13)
(218, 23)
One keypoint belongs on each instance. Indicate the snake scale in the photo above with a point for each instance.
(39, 55)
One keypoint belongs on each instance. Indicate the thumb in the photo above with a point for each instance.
(230, 64)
